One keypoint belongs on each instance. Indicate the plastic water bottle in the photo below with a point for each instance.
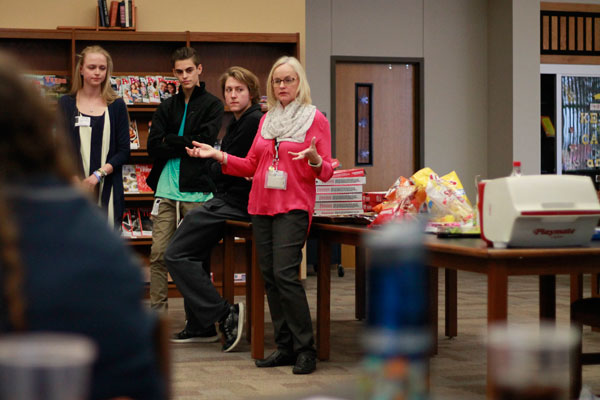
(516, 170)
(398, 336)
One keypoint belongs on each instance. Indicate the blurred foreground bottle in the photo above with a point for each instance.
(398, 336)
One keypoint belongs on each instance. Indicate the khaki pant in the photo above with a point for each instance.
(163, 227)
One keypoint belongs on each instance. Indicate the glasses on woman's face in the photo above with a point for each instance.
(287, 81)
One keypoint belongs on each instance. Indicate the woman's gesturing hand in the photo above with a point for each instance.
(310, 153)
(202, 150)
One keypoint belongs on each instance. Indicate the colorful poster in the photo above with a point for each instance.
(580, 130)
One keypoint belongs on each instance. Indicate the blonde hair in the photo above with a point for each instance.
(303, 92)
(18, 161)
(244, 76)
(106, 91)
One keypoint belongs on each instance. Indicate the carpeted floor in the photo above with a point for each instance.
(202, 371)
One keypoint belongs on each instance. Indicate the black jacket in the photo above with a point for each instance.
(202, 124)
(237, 141)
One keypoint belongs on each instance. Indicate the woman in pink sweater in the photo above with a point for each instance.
(291, 149)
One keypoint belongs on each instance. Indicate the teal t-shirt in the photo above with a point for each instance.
(168, 183)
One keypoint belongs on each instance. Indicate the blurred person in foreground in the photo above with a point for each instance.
(62, 269)
(291, 149)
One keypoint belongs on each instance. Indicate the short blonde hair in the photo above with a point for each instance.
(107, 92)
(303, 92)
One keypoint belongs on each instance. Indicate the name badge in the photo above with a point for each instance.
(80, 120)
(276, 180)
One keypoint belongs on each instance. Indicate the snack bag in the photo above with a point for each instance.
(448, 203)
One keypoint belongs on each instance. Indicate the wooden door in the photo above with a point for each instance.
(394, 120)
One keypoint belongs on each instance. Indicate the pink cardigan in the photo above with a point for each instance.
(300, 192)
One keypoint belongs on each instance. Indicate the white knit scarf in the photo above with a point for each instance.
(290, 123)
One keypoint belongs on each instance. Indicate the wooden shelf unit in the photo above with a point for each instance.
(44, 51)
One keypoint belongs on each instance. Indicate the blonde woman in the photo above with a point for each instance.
(291, 149)
(97, 122)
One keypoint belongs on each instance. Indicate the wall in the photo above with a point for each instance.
(452, 42)
(175, 15)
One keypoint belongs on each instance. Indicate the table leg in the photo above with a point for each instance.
(257, 286)
(547, 297)
(433, 307)
(323, 298)
(451, 306)
(576, 287)
(497, 307)
(228, 261)
(249, 260)
(360, 283)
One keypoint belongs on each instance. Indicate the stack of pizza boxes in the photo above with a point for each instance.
(342, 194)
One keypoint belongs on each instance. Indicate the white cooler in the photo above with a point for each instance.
(538, 211)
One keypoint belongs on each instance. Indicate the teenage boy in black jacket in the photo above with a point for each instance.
(181, 183)
(190, 248)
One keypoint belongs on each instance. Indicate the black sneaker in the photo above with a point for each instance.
(232, 327)
(306, 363)
(207, 336)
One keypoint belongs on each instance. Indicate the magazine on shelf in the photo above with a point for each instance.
(153, 94)
(144, 89)
(125, 90)
(130, 227)
(130, 183)
(145, 221)
(141, 172)
(134, 88)
(134, 137)
(50, 87)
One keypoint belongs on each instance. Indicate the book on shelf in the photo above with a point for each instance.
(122, 14)
(130, 183)
(113, 13)
(101, 20)
(134, 137)
(105, 13)
(239, 277)
(127, 11)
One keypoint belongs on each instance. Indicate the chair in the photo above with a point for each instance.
(583, 312)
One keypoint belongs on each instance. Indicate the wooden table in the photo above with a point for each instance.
(453, 255)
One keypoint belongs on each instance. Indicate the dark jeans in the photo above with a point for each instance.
(279, 240)
(189, 252)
